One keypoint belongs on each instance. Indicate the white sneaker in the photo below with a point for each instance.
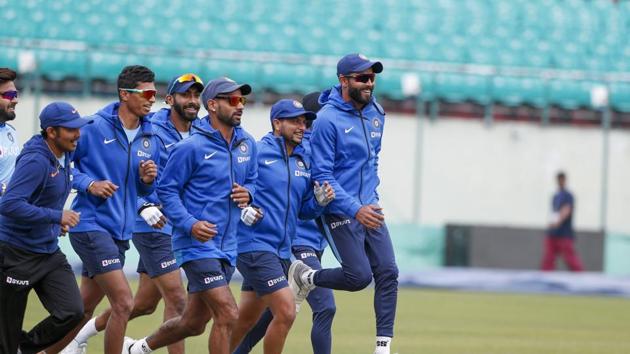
(74, 347)
(127, 344)
(300, 288)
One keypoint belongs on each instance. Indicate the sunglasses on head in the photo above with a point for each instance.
(9, 95)
(235, 100)
(189, 77)
(147, 94)
(185, 78)
(364, 78)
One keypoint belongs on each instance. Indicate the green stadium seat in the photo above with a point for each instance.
(515, 91)
(240, 71)
(620, 96)
(456, 87)
(60, 64)
(584, 35)
(570, 94)
(167, 67)
(9, 57)
(286, 78)
(107, 65)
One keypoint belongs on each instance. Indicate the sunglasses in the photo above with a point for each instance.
(235, 100)
(189, 77)
(9, 95)
(364, 78)
(147, 94)
(185, 78)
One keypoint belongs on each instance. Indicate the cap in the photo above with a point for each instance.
(182, 83)
(287, 109)
(61, 114)
(222, 85)
(311, 102)
(355, 63)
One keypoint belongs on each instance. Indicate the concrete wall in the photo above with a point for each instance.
(470, 173)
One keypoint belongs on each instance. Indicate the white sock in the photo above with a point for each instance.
(140, 347)
(308, 277)
(88, 330)
(382, 345)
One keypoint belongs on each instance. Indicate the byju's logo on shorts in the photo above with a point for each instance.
(336, 224)
(273, 282)
(305, 255)
(17, 281)
(167, 264)
(208, 280)
(108, 262)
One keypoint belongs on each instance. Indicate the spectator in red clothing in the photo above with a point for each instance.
(560, 236)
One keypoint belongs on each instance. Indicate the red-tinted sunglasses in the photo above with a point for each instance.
(147, 94)
(235, 100)
(364, 78)
(9, 95)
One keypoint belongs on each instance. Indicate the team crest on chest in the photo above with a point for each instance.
(243, 148)
(10, 136)
(376, 123)
(300, 165)
(146, 143)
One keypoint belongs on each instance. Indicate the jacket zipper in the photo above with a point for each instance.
(286, 217)
(367, 145)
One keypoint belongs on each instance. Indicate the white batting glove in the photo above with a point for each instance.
(322, 194)
(250, 216)
(151, 215)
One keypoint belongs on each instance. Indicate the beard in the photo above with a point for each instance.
(5, 115)
(180, 109)
(357, 96)
(231, 120)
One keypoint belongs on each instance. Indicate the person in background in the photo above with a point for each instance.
(560, 240)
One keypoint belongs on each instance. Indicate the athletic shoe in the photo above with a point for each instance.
(297, 282)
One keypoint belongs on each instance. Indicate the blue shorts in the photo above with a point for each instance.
(156, 253)
(263, 272)
(208, 273)
(99, 252)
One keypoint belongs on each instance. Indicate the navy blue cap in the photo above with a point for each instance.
(222, 85)
(175, 86)
(61, 114)
(355, 63)
(311, 102)
(287, 109)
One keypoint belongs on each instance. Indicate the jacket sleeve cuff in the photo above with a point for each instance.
(55, 216)
(83, 184)
(354, 209)
(188, 224)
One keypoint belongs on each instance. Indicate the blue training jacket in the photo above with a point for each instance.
(31, 210)
(196, 185)
(307, 233)
(169, 136)
(345, 146)
(284, 191)
(104, 153)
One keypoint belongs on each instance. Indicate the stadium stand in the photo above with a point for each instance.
(517, 52)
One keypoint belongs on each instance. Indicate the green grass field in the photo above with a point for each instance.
(448, 322)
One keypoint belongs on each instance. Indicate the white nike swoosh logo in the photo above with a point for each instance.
(109, 141)
(269, 162)
(169, 145)
(209, 156)
(348, 130)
